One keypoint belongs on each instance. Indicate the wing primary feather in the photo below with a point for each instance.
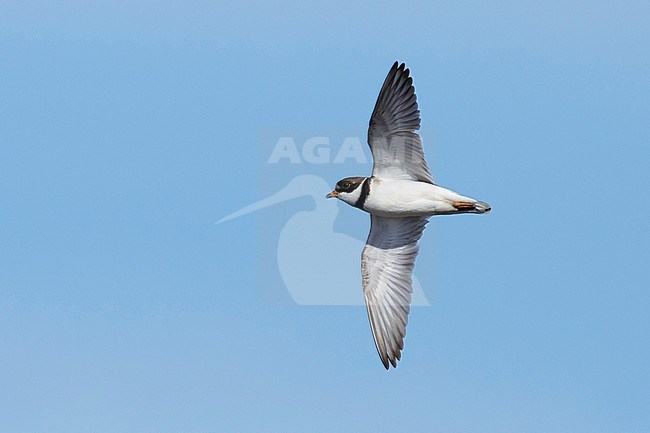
(377, 337)
(382, 93)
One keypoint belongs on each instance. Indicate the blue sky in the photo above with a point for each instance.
(128, 130)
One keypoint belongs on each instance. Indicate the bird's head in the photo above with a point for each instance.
(348, 189)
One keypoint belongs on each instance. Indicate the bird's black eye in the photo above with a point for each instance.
(346, 185)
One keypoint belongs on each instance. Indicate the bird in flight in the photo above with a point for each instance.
(400, 196)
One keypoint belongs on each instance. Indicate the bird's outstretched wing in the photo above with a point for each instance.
(386, 267)
(396, 147)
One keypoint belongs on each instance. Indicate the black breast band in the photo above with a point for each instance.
(365, 190)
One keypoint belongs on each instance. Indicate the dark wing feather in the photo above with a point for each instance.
(396, 147)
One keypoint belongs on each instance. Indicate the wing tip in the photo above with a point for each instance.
(389, 361)
(400, 67)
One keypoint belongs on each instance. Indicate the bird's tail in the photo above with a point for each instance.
(482, 207)
(471, 206)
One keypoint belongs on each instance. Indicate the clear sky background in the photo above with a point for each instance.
(128, 128)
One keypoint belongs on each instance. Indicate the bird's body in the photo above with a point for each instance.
(400, 196)
(404, 198)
